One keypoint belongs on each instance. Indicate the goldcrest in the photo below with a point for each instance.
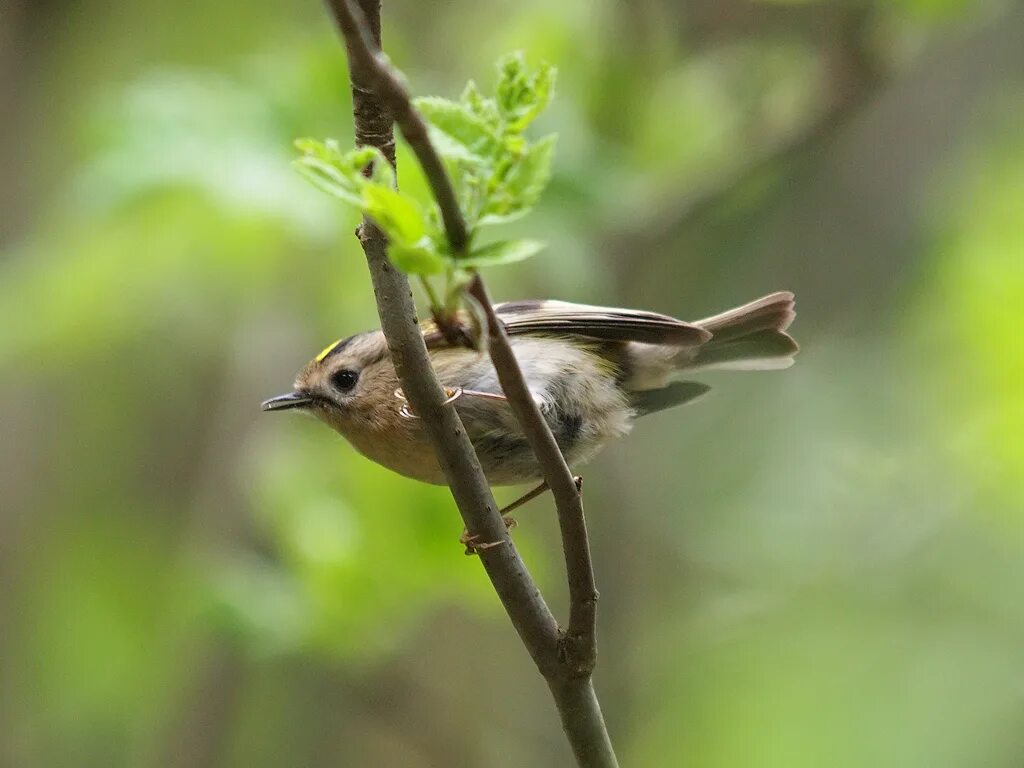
(592, 370)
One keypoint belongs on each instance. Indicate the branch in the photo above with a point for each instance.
(565, 660)
(579, 648)
(519, 595)
(364, 54)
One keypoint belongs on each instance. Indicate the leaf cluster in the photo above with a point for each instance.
(498, 174)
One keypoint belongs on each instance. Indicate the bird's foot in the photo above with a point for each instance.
(472, 543)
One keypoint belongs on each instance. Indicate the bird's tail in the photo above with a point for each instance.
(748, 338)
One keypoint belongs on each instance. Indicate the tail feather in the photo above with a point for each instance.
(751, 337)
(651, 400)
(774, 311)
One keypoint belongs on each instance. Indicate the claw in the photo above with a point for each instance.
(474, 547)
(470, 540)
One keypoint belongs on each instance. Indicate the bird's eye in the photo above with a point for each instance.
(344, 379)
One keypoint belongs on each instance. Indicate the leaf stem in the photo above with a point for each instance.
(435, 303)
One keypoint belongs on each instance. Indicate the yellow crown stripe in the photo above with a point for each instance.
(327, 350)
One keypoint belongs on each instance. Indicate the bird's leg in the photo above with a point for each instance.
(454, 394)
(473, 547)
(530, 495)
(451, 395)
(469, 540)
(483, 395)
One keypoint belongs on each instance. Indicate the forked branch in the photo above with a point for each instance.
(579, 641)
(386, 84)
(565, 659)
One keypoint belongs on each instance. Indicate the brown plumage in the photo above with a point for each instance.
(592, 369)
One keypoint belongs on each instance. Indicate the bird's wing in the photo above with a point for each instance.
(560, 318)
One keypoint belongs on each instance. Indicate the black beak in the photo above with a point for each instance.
(285, 402)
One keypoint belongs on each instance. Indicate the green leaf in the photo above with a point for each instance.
(381, 171)
(506, 217)
(329, 153)
(542, 90)
(498, 175)
(328, 178)
(523, 185)
(484, 108)
(325, 150)
(418, 259)
(531, 174)
(341, 174)
(456, 130)
(512, 81)
(501, 252)
(401, 217)
(309, 146)
(522, 96)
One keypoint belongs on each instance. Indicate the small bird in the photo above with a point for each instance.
(592, 370)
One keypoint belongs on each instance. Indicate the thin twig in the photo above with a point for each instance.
(376, 88)
(579, 648)
(364, 52)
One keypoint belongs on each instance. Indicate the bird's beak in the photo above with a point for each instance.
(284, 402)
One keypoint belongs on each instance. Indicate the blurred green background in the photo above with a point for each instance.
(816, 567)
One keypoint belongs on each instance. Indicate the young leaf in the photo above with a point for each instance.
(531, 174)
(381, 171)
(497, 174)
(505, 217)
(328, 178)
(522, 186)
(501, 252)
(540, 92)
(457, 130)
(512, 83)
(484, 108)
(522, 96)
(325, 150)
(341, 174)
(417, 259)
(398, 215)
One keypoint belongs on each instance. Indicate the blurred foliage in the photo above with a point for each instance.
(980, 277)
(820, 566)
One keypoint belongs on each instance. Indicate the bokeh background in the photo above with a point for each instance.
(818, 567)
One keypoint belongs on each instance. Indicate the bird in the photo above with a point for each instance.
(592, 370)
